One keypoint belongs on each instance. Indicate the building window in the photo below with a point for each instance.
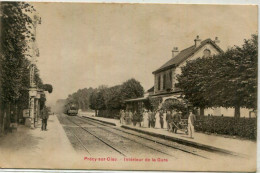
(206, 53)
(159, 83)
(164, 81)
(170, 79)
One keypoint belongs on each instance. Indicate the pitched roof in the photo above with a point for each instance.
(151, 89)
(185, 54)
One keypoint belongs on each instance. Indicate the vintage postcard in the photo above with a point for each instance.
(120, 86)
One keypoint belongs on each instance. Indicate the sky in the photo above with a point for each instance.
(86, 45)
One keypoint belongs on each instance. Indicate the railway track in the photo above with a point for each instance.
(158, 147)
(164, 142)
(99, 138)
(123, 133)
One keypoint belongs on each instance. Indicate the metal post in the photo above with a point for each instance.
(36, 110)
(32, 112)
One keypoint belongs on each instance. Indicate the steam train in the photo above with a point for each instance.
(71, 109)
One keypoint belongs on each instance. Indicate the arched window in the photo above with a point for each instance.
(207, 53)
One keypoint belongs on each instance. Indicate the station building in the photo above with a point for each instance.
(165, 77)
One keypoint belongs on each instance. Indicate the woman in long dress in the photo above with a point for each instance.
(142, 120)
(157, 120)
(146, 121)
(122, 117)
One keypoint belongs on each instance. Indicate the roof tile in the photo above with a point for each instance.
(185, 54)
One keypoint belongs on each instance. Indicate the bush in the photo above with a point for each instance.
(114, 113)
(242, 127)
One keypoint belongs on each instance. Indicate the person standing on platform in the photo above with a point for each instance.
(122, 118)
(191, 123)
(146, 119)
(164, 119)
(168, 119)
(127, 117)
(153, 119)
(150, 118)
(157, 120)
(161, 118)
(44, 116)
(176, 121)
(130, 117)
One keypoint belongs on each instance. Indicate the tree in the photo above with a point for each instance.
(14, 40)
(195, 79)
(81, 98)
(97, 101)
(238, 75)
(17, 34)
(154, 103)
(111, 99)
(228, 79)
(114, 99)
(175, 104)
(131, 89)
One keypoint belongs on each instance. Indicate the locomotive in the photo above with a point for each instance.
(71, 109)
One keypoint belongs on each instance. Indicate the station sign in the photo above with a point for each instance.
(32, 92)
(26, 113)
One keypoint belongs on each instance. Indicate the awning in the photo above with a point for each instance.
(137, 99)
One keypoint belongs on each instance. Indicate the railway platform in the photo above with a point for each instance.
(201, 140)
(33, 148)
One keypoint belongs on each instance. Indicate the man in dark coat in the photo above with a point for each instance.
(150, 118)
(168, 119)
(176, 121)
(44, 116)
(153, 119)
(161, 118)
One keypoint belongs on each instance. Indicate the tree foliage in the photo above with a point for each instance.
(108, 98)
(228, 79)
(154, 103)
(17, 36)
(131, 89)
(175, 104)
(81, 98)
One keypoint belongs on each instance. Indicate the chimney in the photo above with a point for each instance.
(217, 41)
(197, 41)
(175, 51)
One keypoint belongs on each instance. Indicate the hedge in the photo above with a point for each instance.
(109, 113)
(240, 127)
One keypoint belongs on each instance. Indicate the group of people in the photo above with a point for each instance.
(162, 119)
(126, 117)
(170, 119)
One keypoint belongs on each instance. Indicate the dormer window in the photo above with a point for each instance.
(207, 53)
(164, 81)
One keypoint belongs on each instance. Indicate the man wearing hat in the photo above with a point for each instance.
(191, 123)
(176, 121)
(161, 118)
